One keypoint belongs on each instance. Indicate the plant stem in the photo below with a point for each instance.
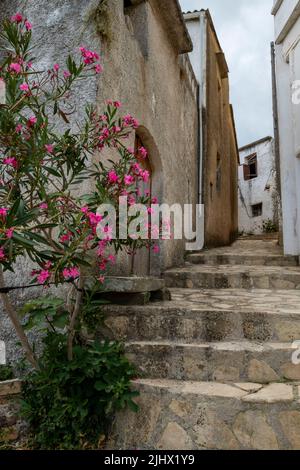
(73, 320)
(17, 325)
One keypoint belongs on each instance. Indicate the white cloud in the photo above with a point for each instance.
(245, 30)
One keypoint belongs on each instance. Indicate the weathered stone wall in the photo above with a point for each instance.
(59, 27)
(10, 422)
(157, 85)
(207, 416)
(144, 69)
(221, 155)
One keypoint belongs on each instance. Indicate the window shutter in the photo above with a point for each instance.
(246, 172)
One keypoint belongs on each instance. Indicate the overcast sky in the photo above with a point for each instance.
(245, 29)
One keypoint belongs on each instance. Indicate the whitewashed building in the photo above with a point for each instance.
(258, 195)
(287, 100)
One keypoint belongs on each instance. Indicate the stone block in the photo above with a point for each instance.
(290, 423)
(175, 437)
(253, 432)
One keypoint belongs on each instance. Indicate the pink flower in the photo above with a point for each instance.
(129, 180)
(71, 273)
(150, 210)
(131, 200)
(105, 133)
(131, 150)
(19, 128)
(154, 200)
(66, 237)
(2, 254)
(11, 161)
(3, 212)
(17, 18)
(14, 67)
(143, 152)
(43, 276)
(56, 67)
(103, 117)
(89, 57)
(136, 168)
(117, 104)
(108, 230)
(101, 279)
(9, 232)
(98, 68)
(49, 148)
(31, 121)
(156, 249)
(43, 206)
(84, 210)
(113, 177)
(28, 25)
(102, 266)
(24, 87)
(94, 219)
(67, 74)
(129, 121)
(145, 176)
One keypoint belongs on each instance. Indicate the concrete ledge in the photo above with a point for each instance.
(132, 285)
(10, 387)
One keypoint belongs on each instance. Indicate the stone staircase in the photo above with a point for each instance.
(216, 361)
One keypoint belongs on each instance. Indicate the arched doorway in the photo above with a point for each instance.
(141, 261)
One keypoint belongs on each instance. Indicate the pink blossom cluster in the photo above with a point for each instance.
(91, 58)
(18, 18)
(130, 121)
(71, 273)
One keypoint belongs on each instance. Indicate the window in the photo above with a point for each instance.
(257, 210)
(250, 167)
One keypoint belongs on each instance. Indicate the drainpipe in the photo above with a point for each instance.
(201, 117)
(276, 140)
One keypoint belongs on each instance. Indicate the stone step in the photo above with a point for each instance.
(221, 362)
(242, 259)
(210, 315)
(237, 277)
(210, 415)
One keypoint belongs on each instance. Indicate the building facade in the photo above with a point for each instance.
(258, 195)
(144, 47)
(286, 96)
(218, 153)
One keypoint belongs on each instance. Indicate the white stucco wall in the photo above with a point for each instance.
(258, 190)
(287, 38)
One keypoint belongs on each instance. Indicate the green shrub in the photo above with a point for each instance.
(269, 226)
(69, 404)
(6, 373)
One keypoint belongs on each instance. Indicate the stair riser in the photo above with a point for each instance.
(242, 260)
(206, 364)
(232, 281)
(172, 420)
(200, 326)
